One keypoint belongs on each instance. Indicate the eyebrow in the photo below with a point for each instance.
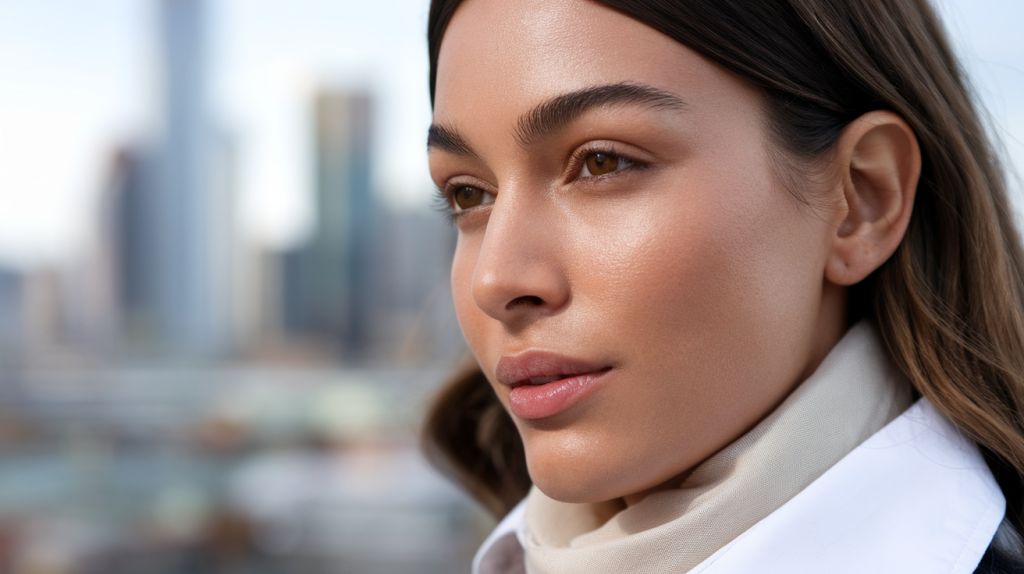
(560, 111)
(448, 139)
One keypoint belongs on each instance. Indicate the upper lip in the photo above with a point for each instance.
(518, 369)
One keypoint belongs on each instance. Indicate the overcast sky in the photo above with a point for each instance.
(77, 79)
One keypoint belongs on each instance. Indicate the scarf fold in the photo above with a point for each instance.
(854, 393)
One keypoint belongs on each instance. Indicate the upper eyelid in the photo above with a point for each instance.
(580, 156)
(603, 146)
(450, 184)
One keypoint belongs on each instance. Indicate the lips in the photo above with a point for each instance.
(544, 384)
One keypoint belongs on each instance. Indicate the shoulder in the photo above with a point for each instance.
(915, 497)
(1005, 555)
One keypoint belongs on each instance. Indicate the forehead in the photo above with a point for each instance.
(499, 58)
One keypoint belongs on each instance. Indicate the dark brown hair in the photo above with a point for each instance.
(949, 303)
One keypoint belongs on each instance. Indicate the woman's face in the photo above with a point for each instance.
(635, 283)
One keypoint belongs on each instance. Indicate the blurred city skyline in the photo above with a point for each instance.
(179, 392)
(78, 81)
(167, 266)
(88, 72)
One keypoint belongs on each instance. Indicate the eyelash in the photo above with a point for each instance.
(445, 195)
(442, 203)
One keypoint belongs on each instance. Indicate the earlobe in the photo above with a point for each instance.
(880, 163)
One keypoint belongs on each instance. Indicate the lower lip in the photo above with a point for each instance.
(540, 401)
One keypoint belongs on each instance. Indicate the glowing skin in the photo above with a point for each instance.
(697, 284)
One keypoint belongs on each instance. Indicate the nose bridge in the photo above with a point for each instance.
(519, 269)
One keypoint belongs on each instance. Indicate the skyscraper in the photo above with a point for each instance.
(192, 227)
(174, 218)
(329, 287)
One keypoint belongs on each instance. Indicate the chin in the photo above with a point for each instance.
(567, 487)
(574, 475)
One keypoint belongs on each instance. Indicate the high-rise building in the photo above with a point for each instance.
(371, 282)
(329, 281)
(417, 321)
(192, 227)
(172, 212)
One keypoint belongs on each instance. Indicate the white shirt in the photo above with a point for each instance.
(916, 497)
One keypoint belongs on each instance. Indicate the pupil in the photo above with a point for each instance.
(466, 197)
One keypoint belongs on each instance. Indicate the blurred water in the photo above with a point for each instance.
(226, 471)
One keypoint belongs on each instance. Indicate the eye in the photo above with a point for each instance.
(601, 163)
(467, 196)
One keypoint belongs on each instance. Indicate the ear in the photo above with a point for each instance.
(880, 163)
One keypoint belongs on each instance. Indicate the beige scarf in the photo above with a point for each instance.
(853, 393)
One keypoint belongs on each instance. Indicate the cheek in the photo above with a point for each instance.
(720, 249)
(686, 288)
(703, 291)
(685, 253)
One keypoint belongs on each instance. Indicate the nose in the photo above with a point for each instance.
(520, 274)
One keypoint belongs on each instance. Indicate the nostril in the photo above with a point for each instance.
(530, 300)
